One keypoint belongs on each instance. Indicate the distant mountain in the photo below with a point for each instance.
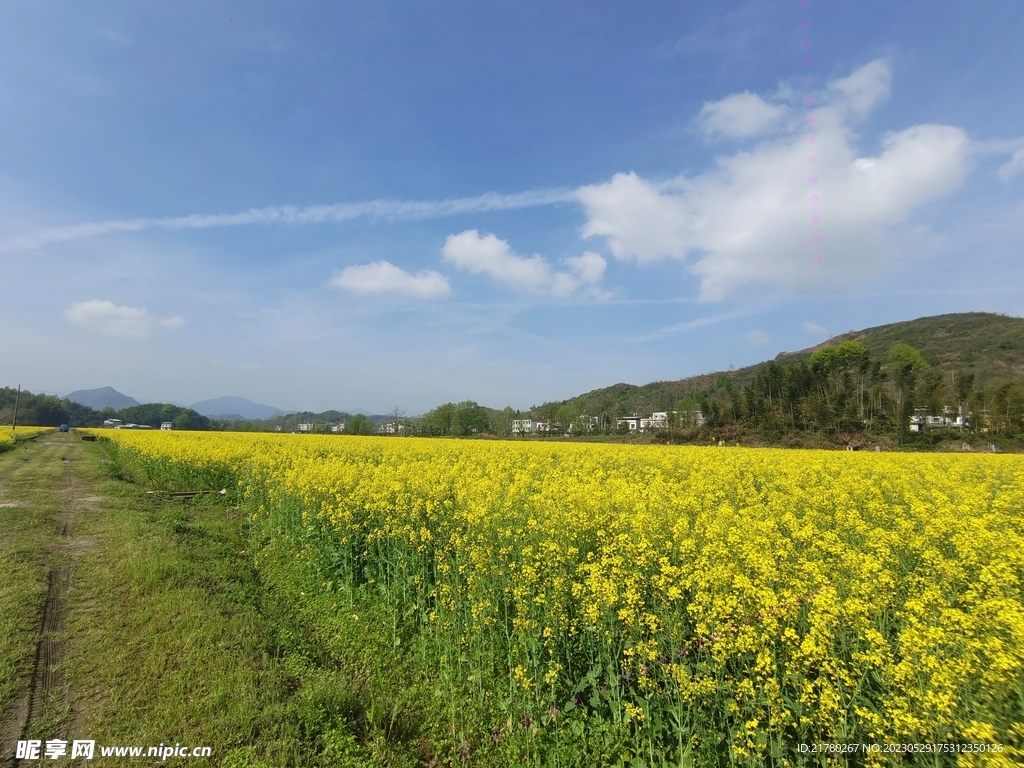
(240, 407)
(104, 397)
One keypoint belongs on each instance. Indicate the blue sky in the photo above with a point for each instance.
(397, 204)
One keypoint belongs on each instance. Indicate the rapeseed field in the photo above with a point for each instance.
(646, 605)
(9, 436)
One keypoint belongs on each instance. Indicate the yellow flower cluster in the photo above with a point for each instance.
(9, 436)
(760, 597)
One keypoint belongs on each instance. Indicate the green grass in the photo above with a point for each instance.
(27, 528)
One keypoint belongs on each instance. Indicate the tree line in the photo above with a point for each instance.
(51, 411)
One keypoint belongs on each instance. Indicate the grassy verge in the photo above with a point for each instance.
(28, 512)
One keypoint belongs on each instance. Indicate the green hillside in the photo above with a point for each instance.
(989, 345)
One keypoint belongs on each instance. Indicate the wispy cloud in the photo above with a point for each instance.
(390, 210)
(109, 319)
(700, 322)
(757, 338)
(1013, 166)
(731, 33)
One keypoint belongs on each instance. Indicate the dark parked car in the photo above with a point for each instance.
(65, 428)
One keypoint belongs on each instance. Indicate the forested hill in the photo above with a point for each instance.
(989, 345)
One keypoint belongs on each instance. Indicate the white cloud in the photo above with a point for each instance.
(384, 277)
(487, 255)
(639, 221)
(109, 319)
(757, 338)
(816, 330)
(589, 267)
(749, 220)
(739, 116)
(1013, 166)
(866, 87)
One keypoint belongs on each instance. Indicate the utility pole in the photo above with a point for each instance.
(17, 400)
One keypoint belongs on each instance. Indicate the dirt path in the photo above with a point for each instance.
(44, 495)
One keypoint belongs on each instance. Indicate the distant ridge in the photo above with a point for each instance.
(104, 397)
(239, 407)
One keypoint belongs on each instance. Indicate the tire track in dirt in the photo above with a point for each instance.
(47, 676)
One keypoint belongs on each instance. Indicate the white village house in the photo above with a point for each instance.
(921, 421)
(660, 420)
(523, 426)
